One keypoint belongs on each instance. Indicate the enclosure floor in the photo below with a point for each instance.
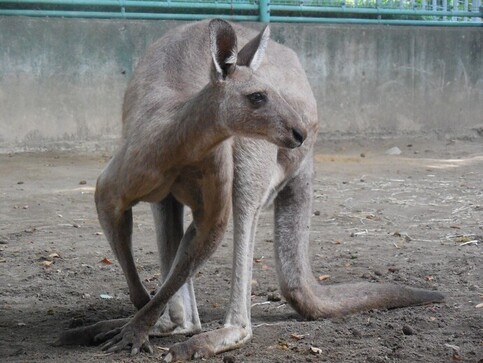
(414, 218)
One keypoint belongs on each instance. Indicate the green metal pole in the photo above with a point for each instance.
(265, 11)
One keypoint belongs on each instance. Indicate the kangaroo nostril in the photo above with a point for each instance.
(298, 136)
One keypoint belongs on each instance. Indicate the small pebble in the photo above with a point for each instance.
(407, 330)
(274, 296)
(228, 359)
(356, 333)
(76, 322)
(394, 151)
(317, 213)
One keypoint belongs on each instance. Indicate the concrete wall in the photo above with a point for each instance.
(62, 80)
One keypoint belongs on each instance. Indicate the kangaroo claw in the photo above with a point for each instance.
(130, 336)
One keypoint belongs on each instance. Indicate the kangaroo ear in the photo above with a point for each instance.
(223, 46)
(251, 55)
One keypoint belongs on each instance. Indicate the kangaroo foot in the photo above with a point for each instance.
(178, 318)
(166, 327)
(208, 344)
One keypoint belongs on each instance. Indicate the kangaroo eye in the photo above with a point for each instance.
(257, 98)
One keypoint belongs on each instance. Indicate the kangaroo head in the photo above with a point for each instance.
(248, 104)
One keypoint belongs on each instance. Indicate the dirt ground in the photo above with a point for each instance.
(414, 218)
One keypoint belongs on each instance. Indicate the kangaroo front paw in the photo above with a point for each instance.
(131, 336)
(91, 334)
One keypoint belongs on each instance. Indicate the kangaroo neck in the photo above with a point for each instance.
(198, 125)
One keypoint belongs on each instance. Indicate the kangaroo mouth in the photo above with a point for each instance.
(292, 144)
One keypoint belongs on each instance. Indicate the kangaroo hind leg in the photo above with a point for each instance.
(181, 313)
(237, 329)
(251, 182)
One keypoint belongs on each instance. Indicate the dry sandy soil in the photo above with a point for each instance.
(414, 218)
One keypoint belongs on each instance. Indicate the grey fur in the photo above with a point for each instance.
(191, 136)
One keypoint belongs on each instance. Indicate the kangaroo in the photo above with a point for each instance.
(223, 132)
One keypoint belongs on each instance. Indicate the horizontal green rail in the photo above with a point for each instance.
(138, 4)
(247, 10)
(373, 11)
(305, 19)
(124, 15)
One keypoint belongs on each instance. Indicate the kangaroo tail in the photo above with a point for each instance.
(292, 225)
(314, 301)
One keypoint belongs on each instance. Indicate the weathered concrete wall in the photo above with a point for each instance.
(62, 80)
(375, 79)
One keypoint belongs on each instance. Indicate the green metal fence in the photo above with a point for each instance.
(397, 12)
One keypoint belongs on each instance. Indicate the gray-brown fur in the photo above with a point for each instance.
(194, 134)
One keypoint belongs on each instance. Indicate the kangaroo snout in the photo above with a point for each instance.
(299, 135)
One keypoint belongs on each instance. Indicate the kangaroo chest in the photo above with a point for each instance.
(204, 187)
(188, 187)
